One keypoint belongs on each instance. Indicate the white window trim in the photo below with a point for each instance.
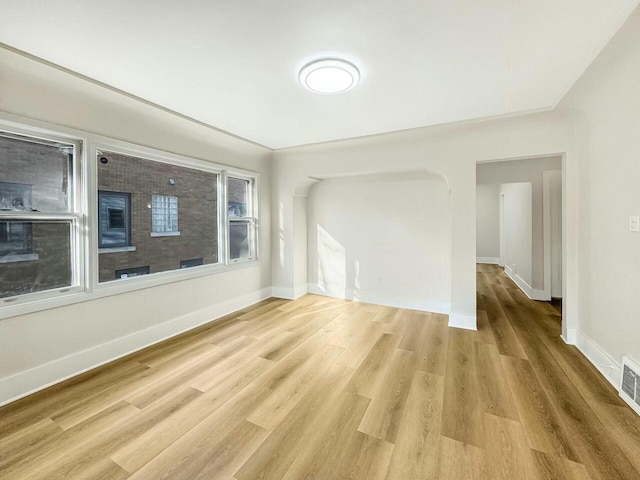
(253, 202)
(19, 257)
(85, 239)
(165, 234)
(129, 248)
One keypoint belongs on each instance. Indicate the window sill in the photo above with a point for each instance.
(22, 257)
(165, 234)
(116, 249)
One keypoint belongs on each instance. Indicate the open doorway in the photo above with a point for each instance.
(519, 227)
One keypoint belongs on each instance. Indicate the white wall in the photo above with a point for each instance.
(487, 222)
(394, 227)
(605, 107)
(39, 348)
(517, 229)
(452, 151)
(531, 171)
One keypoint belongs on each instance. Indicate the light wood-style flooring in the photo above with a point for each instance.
(329, 389)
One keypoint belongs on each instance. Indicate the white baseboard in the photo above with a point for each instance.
(605, 364)
(38, 378)
(489, 260)
(467, 322)
(528, 290)
(378, 298)
(289, 293)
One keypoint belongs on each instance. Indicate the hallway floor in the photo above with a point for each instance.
(331, 389)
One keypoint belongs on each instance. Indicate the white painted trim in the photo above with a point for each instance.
(528, 290)
(463, 321)
(488, 260)
(38, 378)
(377, 298)
(605, 364)
(116, 249)
(300, 290)
(546, 231)
(165, 234)
(22, 257)
(570, 338)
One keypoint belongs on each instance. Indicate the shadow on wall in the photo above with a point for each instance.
(383, 239)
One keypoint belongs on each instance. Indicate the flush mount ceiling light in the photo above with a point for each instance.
(329, 76)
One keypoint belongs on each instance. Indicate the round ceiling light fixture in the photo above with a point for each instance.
(329, 76)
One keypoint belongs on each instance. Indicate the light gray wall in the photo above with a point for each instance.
(605, 108)
(394, 227)
(528, 170)
(518, 227)
(488, 221)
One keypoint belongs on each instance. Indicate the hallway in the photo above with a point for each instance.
(330, 389)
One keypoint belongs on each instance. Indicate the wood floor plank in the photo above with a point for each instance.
(384, 414)
(542, 426)
(492, 384)
(462, 418)
(415, 454)
(507, 455)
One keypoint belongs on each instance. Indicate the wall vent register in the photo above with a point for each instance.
(630, 383)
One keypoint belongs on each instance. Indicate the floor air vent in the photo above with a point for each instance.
(630, 386)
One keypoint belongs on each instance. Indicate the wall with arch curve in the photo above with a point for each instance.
(452, 151)
(383, 239)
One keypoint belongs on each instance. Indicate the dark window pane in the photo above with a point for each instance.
(113, 214)
(239, 240)
(132, 272)
(171, 215)
(34, 175)
(15, 238)
(237, 197)
(34, 256)
(116, 218)
(194, 262)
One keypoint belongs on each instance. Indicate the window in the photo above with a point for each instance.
(194, 262)
(132, 272)
(164, 215)
(114, 225)
(242, 223)
(39, 222)
(140, 200)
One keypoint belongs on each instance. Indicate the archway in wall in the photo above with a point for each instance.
(383, 239)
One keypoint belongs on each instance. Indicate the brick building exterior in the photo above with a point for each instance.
(34, 256)
(196, 191)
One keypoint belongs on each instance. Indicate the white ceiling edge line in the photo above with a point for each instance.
(131, 96)
(455, 123)
(597, 53)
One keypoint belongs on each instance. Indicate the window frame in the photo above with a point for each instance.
(127, 221)
(166, 233)
(74, 217)
(84, 200)
(251, 218)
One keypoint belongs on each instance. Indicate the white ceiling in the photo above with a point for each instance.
(234, 64)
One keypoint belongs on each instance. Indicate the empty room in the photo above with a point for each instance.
(348, 240)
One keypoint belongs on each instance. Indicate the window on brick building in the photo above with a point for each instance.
(114, 219)
(242, 220)
(165, 213)
(39, 220)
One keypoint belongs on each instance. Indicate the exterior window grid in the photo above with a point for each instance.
(164, 214)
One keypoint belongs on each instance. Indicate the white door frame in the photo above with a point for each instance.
(503, 232)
